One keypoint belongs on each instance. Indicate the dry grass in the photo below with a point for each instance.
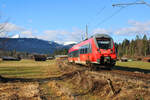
(19, 91)
(73, 84)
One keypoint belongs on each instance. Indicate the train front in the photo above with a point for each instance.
(106, 49)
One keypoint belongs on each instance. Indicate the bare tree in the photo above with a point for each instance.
(3, 33)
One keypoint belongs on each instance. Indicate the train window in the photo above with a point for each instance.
(81, 51)
(74, 53)
(77, 53)
(104, 43)
(85, 50)
(71, 54)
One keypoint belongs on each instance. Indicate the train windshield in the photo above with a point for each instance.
(104, 43)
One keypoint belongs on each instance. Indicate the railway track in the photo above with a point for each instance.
(122, 81)
(123, 73)
(137, 75)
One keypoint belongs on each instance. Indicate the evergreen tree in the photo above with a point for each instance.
(134, 48)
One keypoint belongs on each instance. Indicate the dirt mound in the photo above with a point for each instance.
(86, 85)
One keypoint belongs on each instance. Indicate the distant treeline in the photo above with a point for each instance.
(61, 52)
(14, 53)
(138, 47)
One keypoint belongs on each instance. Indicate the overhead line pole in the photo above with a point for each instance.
(127, 4)
(86, 31)
(146, 3)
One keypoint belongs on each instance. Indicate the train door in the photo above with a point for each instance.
(89, 52)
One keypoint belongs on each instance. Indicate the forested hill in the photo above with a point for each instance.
(30, 45)
(134, 48)
(130, 48)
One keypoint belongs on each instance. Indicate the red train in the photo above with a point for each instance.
(99, 49)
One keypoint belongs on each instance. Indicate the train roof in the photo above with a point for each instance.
(101, 35)
(97, 35)
(76, 46)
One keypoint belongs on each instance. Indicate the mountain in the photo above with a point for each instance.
(30, 45)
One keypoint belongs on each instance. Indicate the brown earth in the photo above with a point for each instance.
(78, 83)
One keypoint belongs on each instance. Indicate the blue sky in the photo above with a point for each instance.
(65, 20)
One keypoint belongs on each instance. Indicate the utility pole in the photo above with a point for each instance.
(86, 33)
(81, 37)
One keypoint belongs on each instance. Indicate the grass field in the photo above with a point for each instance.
(33, 69)
(135, 64)
(28, 68)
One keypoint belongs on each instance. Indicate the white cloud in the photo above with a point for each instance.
(9, 27)
(53, 35)
(62, 36)
(27, 32)
(134, 28)
(3, 34)
(101, 31)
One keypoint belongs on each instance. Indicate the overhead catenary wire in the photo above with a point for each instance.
(97, 14)
(112, 15)
(146, 3)
(92, 18)
(116, 12)
(109, 17)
